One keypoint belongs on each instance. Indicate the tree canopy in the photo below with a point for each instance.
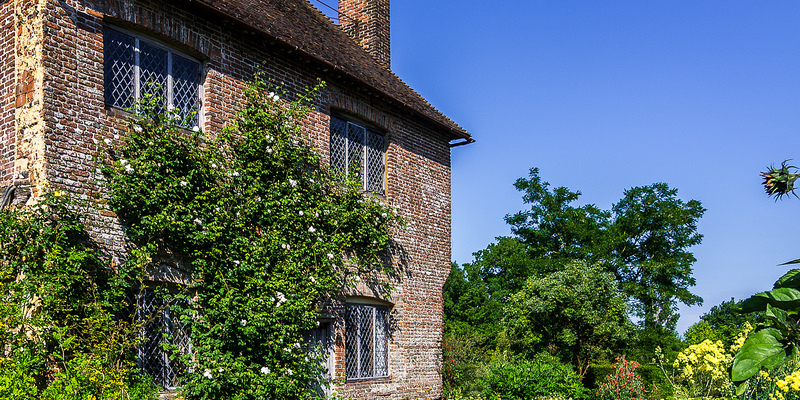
(642, 242)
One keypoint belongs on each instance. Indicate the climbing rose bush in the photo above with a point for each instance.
(624, 383)
(267, 232)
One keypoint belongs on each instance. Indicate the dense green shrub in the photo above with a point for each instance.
(59, 329)
(16, 379)
(542, 376)
(655, 383)
(596, 374)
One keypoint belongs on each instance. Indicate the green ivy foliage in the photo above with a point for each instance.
(269, 233)
(59, 306)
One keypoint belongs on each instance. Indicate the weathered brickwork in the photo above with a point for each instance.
(367, 22)
(7, 84)
(60, 129)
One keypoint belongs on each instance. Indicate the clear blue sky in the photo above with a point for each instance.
(603, 96)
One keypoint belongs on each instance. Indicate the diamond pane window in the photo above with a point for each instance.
(366, 341)
(358, 152)
(161, 330)
(119, 75)
(339, 146)
(135, 67)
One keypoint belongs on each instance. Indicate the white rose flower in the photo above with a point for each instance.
(195, 128)
(184, 183)
(289, 372)
(265, 370)
(281, 298)
(137, 129)
(301, 213)
(311, 229)
(243, 322)
(207, 374)
(293, 182)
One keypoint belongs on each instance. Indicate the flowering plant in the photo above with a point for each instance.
(624, 383)
(703, 369)
(269, 233)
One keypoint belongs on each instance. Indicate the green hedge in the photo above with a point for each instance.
(542, 376)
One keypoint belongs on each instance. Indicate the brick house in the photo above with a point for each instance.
(70, 67)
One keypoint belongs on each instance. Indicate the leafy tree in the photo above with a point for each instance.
(577, 314)
(643, 239)
(723, 322)
(553, 228)
(651, 233)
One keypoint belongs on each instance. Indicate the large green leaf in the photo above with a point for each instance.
(761, 349)
(778, 317)
(783, 298)
(790, 279)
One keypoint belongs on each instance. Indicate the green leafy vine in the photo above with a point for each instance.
(269, 233)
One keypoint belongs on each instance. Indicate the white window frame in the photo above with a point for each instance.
(367, 340)
(342, 147)
(137, 85)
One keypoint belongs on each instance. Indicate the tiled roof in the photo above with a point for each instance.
(300, 25)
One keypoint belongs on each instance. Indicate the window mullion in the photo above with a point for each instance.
(374, 343)
(359, 373)
(365, 161)
(136, 53)
(347, 151)
(169, 81)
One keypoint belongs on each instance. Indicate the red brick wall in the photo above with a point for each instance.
(418, 155)
(7, 84)
(367, 22)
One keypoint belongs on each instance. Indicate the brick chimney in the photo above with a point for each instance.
(367, 22)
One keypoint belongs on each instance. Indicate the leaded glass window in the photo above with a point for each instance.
(135, 66)
(358, 152)
(366, 341)
(163, 335)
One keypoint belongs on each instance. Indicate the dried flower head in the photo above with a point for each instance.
(780, 181)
